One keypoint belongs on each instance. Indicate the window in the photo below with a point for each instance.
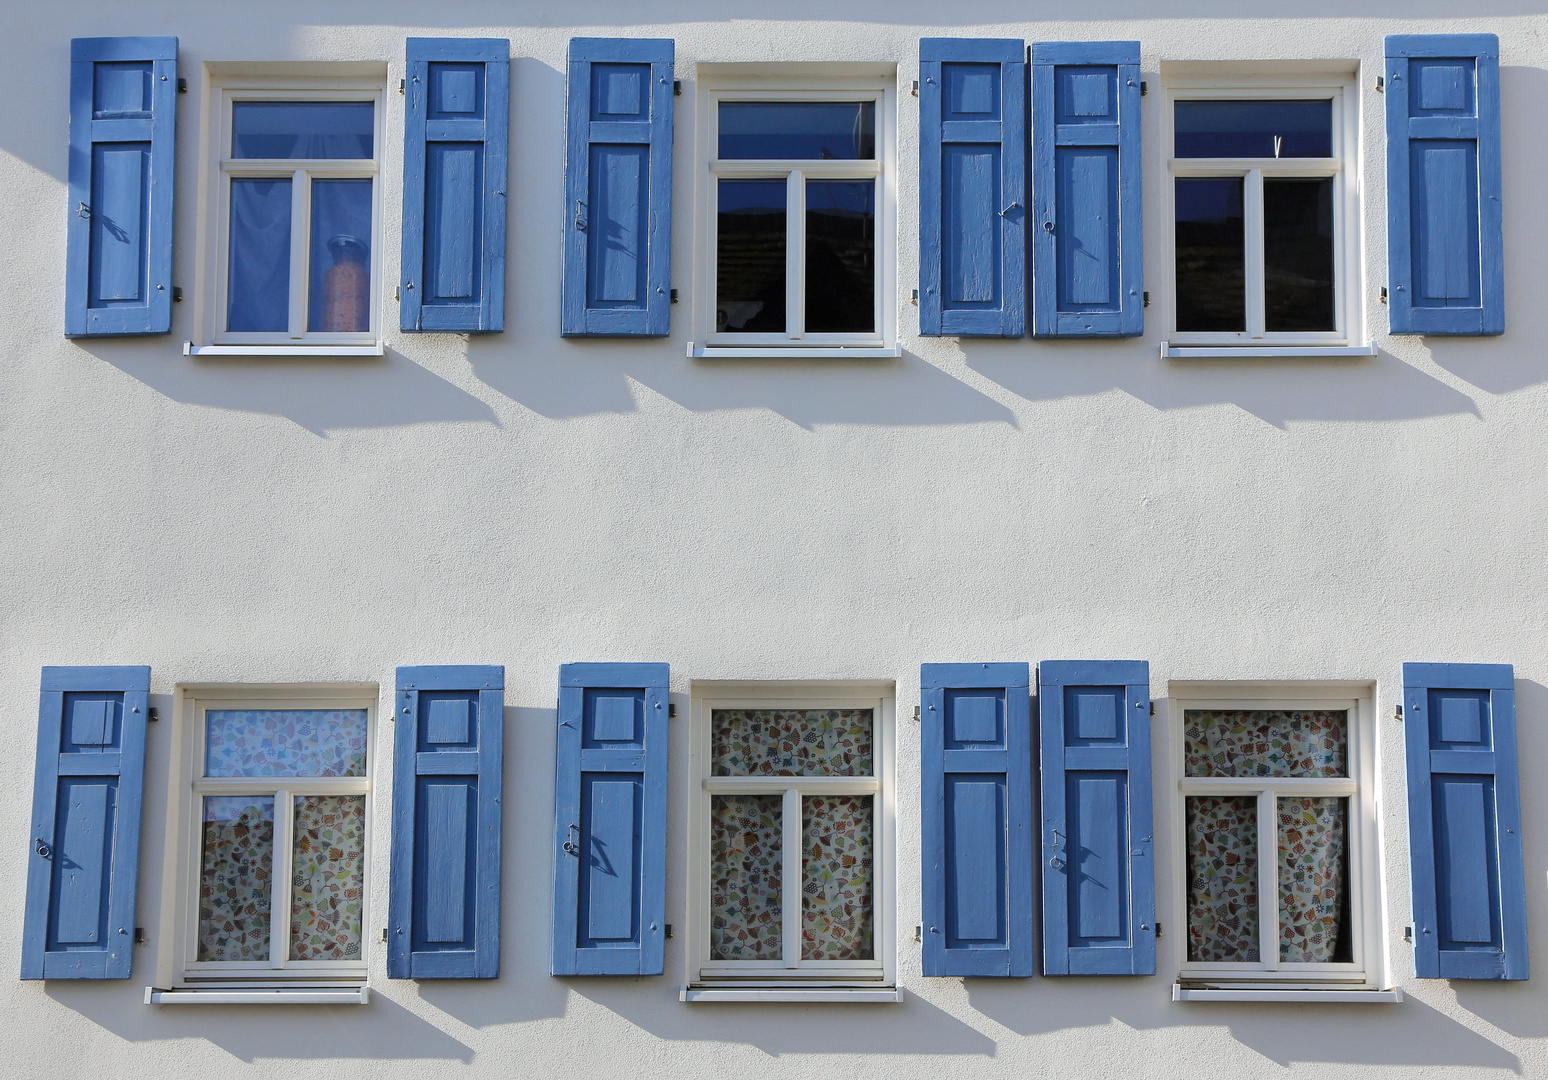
(798, 215)
(792, 836)
(1263, 191)
(295, 232)
(277, 815)
(1279, 874)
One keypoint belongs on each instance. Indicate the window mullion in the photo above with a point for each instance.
(795, 254)
(279, 897)
(1252, 223)
(790, 874)
(1268, 880)
(300, 233)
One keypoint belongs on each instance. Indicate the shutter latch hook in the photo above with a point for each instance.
(571, 847)
(43, 849)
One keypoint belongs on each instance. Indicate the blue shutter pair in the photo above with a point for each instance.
(1086, 237)
(980, 842)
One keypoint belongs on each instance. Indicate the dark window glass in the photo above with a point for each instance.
(750, 257)
(340, 296)
(1264, 129)
(258, 273)
(1298, 254)
(302, 129)
(840, 256)
(808, 130)
(1211, 255)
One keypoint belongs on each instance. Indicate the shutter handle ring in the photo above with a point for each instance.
(580, 215)
(570, 847)
(1048, 226)
(83, 211)
(43, 849)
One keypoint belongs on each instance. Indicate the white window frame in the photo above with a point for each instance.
(1367, 969)
(788, 974)
(1185, 82)
(776, 82)
(221, 168)
(185, 835)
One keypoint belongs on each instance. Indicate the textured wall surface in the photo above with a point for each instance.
(527, 500)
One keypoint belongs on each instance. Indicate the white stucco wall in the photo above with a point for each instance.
(527, 500)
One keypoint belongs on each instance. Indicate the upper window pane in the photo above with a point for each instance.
(1267, 742)
(303, 129)
(791, 742)
(285, 742)
(1261, 129)
(820, 130)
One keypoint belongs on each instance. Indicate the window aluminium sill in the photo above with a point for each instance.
(1329, 996)
(835, 995)
(1261, 352)
(249, 995)
(374, 349)
(794, 352)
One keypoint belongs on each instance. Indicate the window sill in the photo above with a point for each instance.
(813, 995)
(377, 349)
(1320, 997)
(289, 995)
(794, 352)
(1261, 352)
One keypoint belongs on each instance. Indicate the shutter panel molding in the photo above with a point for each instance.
(617, 276)
(1087, 240)
(1464, 822)
(1099, 884)
(123, 133)
(455, 138)
(972, 187)
(976, 806)
(448, 750)
(610, 818)
(1445, 238)
(84, 849)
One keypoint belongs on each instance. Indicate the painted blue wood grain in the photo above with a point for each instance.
(456, 136)
(1087, 232)
(976, 803)
(83, 861)
(123, 126)
(1098, 852)
(1464, 822)
(610, 788)
(617, 274)
(1445, 238)
(448, 765)
(972, 187)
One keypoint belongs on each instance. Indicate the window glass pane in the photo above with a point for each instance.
(1267, 742)
(327, 875)
(750, 257)
(1264, 129)
(746, 847)
(1211, 255)
(340, 294)
(836, 877)
(1314, 881)
(840, 256)
(258, 277)
(1298, 253)
(285, 742)
(791, 742)
(1223, 878)
(235, 878)
(810, 130)
(302, 129)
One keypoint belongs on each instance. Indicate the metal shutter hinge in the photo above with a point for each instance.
(400, 90)
(1383, 294)
(916, 714)
(915, 91)
(139, 935)
(1147, 298)
(1144, 89)
(914, 297)
(669, 931)
(1408, 934)
(918, 927)
(671, 712)
(674, 300)
(1158, 929)
(1397, 713)
(677, 88)
(177, 294)
(182, 86)
(153, 714)
(1381, 85)
(1152, 708)
(397, 293)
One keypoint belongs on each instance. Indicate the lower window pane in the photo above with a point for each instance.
(746, 847)
(258, 271)
(1298, 254)
(840, 256)
(1223, 878)
(340, 293)
(1314, 881)
(235, 878)
(1211, 255)
(750, 257)
(836, 877)
(326, 876)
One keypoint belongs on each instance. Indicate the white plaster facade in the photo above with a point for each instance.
(528, 500)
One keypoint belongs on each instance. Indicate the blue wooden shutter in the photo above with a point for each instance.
(618, 188)
(84, 848)
(1087, 254)
(454, 179)
(610, 788)
(972, 187)
(123, 127)
(1099, 873)
(976, 805)
(444, 899)
(1445, 244)
(1464, 822)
